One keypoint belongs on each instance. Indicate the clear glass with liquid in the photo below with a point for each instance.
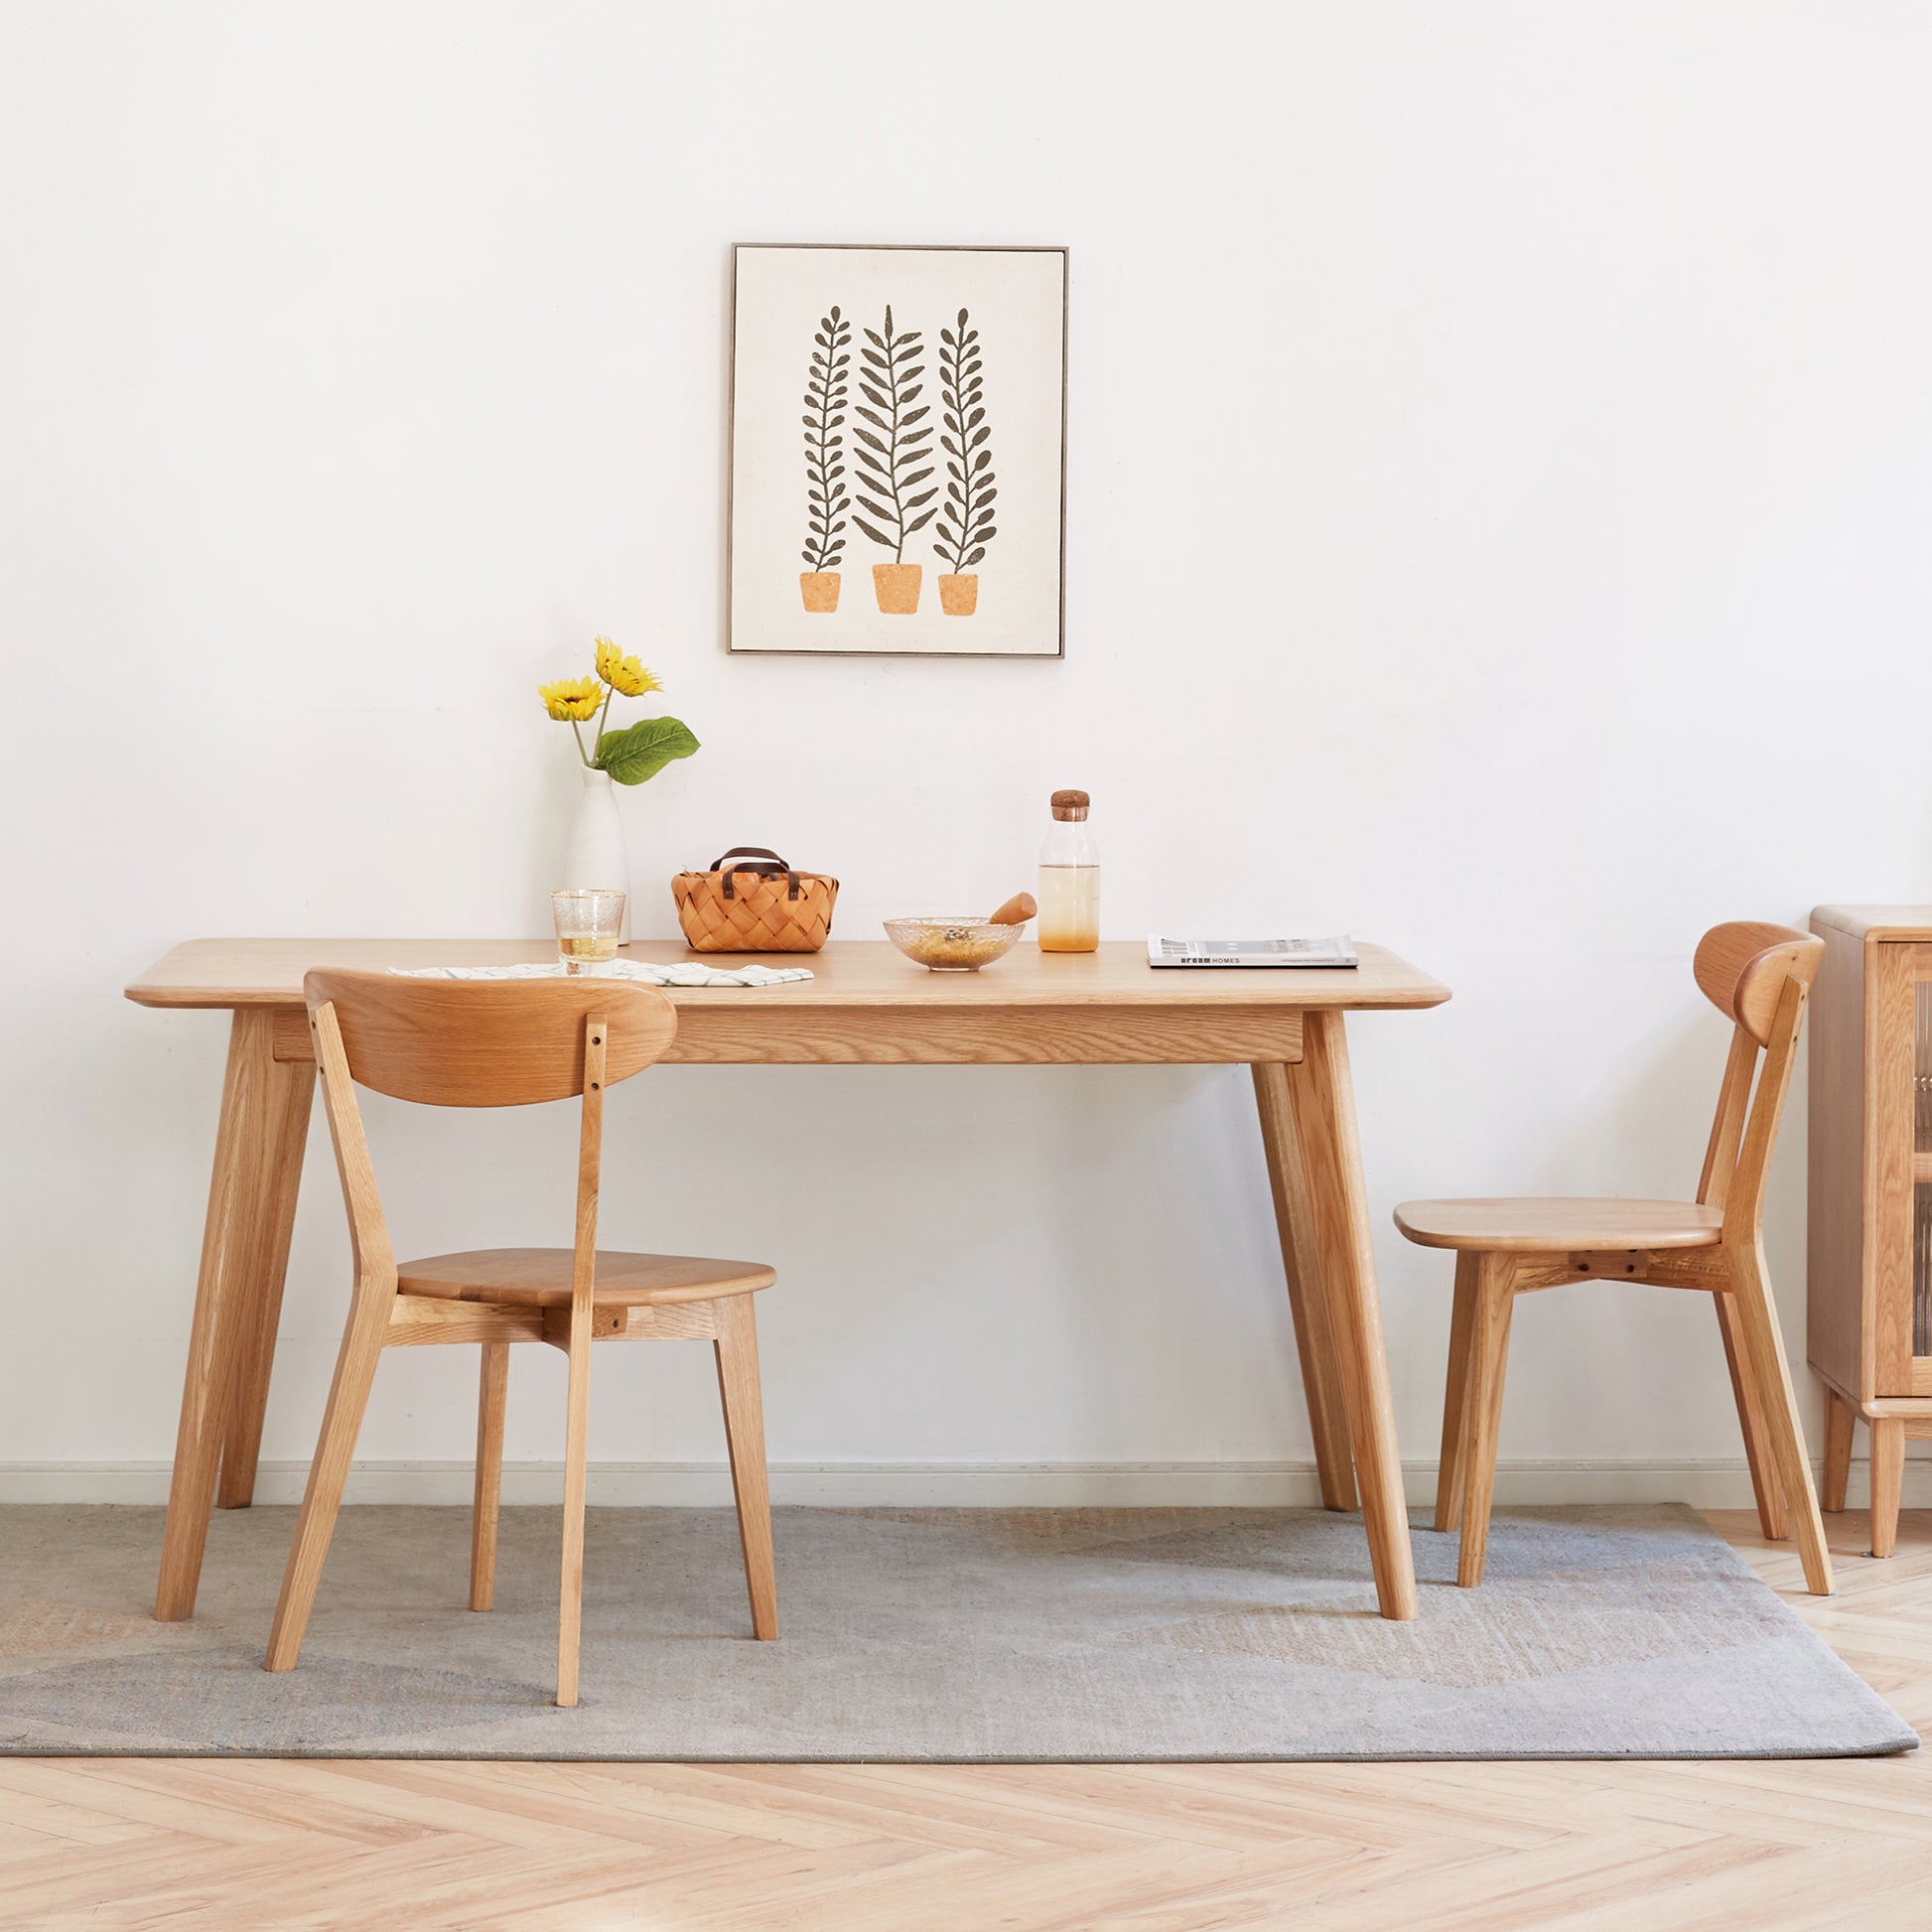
(589, 925)
(1069, 879)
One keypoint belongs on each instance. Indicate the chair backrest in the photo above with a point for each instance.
(476, 1044)
(1759, 977)
(1741, 968)
(488, 1043)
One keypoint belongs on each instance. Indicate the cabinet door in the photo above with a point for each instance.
(1898, 1166)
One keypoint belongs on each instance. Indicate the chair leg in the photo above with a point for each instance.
(1840, 1419)
(1488, 1355)
(1456, 1394)
(342, 1422)
(1764, 1347)
(1771, 1517)
(577, 1432)
(737, 1349)
(490, 1399)
(1887, 1478)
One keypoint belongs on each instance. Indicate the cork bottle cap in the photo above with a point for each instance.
(1070, 805)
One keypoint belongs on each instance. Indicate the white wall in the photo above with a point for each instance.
(1500, 499)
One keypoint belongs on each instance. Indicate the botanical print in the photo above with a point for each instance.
(897, 440)
(901, 350)
(969, 465)
(825, 398)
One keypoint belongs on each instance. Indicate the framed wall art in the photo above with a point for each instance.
(898, 450)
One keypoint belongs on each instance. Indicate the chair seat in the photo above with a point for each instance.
(540, 1278)
(1536, 1226)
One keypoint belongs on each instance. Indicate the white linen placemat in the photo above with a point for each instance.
(682, 973)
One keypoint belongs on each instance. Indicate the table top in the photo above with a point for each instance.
(846, 974)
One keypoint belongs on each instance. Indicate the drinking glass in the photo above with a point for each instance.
(589, 920)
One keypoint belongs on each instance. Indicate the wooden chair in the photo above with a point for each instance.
(1760, 976)
(502, 1044)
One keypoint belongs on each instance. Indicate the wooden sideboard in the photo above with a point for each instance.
(1871, 1214)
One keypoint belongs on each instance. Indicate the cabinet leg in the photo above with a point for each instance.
(1887, 1477)
(1840, 1421)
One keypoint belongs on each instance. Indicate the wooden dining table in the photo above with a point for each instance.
(865, 1004)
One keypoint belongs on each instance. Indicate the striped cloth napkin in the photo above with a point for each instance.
(682, 973)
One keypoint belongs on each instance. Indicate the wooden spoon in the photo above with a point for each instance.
(1015, 911)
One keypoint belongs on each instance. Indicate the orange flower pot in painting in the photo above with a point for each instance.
(820, 589)
(959, 592)
(898, 588)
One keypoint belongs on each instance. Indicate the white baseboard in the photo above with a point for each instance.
(1713, 1484)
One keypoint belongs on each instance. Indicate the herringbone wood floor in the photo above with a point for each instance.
(110, 1845)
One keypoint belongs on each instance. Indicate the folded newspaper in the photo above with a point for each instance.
(1339, 951)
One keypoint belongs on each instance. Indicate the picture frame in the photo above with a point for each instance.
(898, 450)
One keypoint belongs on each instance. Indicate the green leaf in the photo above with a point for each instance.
(645, 749)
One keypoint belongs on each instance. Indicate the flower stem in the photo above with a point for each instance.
(579, 731)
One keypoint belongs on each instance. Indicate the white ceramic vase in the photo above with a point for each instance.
(595, 854)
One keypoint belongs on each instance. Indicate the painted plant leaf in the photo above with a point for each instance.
(890, 385)
(825, 397)
(964, 527)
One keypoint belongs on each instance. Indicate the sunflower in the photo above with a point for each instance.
(571, 698)
(624, 674)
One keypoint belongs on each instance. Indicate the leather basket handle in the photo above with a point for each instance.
(760, 859)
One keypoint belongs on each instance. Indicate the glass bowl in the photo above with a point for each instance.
(952, 945)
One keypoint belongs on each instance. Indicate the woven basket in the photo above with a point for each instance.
(750, 900)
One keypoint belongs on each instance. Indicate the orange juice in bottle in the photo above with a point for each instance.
(1069, 879)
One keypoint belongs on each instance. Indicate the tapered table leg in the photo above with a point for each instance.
(244, 1250)
(1307, 1300)
(1325, 1117)
(285, 1136)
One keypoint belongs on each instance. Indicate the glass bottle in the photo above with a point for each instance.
(1069, 879)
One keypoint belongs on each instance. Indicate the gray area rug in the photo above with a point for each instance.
(927, 1636)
